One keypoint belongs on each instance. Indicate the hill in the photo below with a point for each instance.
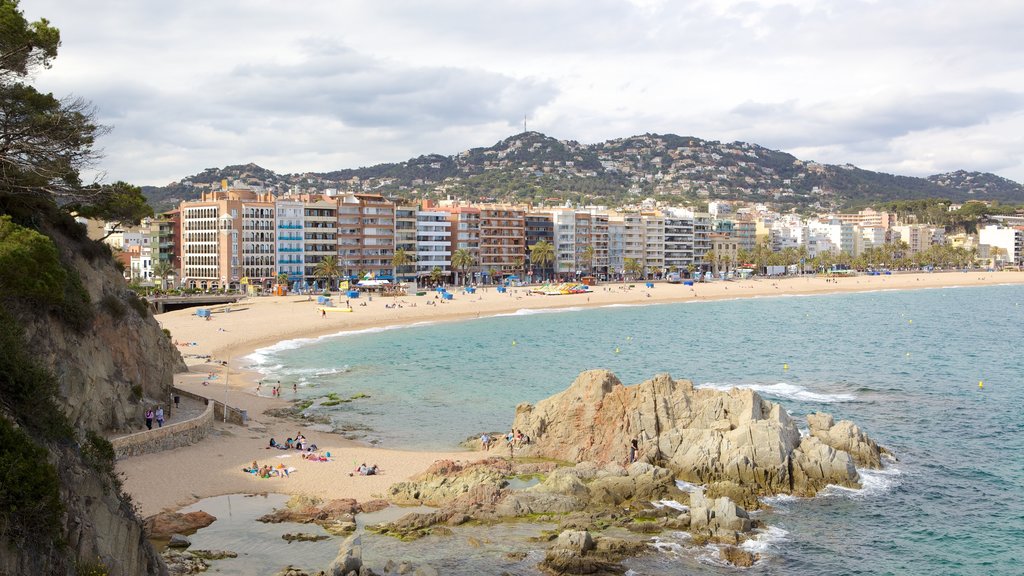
(532, 167)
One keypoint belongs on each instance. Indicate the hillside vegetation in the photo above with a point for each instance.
(532, 167)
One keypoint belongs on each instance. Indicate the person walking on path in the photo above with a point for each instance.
(149, 418)
(159, 417)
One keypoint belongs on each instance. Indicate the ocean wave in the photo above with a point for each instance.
(873, 483)
(765, 539)
(784, 390)
(535, 311)
(261, 356)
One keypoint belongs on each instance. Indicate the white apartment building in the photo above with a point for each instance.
(1010, 241)
(678, 240)
(433, 243)
(840, 235)
(290, 241)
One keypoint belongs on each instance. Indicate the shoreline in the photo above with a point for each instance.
(175, 478)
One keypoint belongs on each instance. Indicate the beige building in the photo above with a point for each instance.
(227, 237)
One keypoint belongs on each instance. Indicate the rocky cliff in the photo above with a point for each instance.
(734, 442)
(81, 355)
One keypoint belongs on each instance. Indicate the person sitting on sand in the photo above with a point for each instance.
(273, 444)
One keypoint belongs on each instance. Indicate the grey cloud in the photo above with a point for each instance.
(359, 90)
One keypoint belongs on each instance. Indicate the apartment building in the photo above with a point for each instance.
(917, 236)
(1009, 241)
(465, 230)
(654, 243)
(319, 229)
(678, 241)
(433, 243)
(228, 235)
(290, 241)
(725, 249)
(539, 227)
(502, 241)
(616, 245)
(366, 234)
(405, 239)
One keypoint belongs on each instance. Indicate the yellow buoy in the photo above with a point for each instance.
(785, 366)
(981, 383)
(910, 321)
(616, 349)
(628, 338)
(513, 342)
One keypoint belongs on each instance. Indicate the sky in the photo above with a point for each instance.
(913, 87)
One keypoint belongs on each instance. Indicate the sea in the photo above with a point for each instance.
(935, 375)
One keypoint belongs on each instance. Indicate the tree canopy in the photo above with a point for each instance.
(45, 142)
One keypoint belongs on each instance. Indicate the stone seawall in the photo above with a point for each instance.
(166, 438)
(233, 415)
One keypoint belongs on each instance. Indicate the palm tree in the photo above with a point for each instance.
(399, 259)
(519, 265)
(587, 259)
(328, 268)
(162, 269)
(462, 259)
(282, 279)
(435, 275)
(711, 257)
(633, 268)
(542, 254)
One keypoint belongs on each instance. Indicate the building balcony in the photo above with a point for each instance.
(290, 226)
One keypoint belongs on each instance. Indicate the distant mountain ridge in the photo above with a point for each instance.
(532, 167)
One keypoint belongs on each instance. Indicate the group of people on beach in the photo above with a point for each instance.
(267, 471)
(275, 391)
(515, 437)
(297, 443)
(155, 414)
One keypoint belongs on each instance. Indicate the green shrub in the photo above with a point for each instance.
(27, 389)
(112, 305)
(29, 265)
(76, 310)
(30, 507)
(136, 392)
(140, 305)
(166, 332)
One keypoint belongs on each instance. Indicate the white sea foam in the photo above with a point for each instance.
(873, 483)
(688, 487)
(784, 390)
(765, 539)
(262, 355)
(534, 312)
(670, 504)
(670, 543)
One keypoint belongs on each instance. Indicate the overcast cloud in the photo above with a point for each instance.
(913, 87)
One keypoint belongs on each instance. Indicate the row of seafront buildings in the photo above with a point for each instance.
(234, 236)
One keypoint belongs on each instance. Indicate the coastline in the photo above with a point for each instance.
(212, 467)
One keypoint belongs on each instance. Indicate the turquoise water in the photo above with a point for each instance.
(905, 365)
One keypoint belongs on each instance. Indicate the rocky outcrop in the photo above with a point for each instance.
(718, 519)
(735, 442)
(336, 516)
(161, 526)
(577, 552)
(847, 437)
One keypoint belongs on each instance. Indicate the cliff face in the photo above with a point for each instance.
(110, 371)
(97, 365)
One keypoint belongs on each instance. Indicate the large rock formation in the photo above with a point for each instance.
(734, 442)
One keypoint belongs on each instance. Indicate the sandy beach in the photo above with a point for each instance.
(212, 467)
